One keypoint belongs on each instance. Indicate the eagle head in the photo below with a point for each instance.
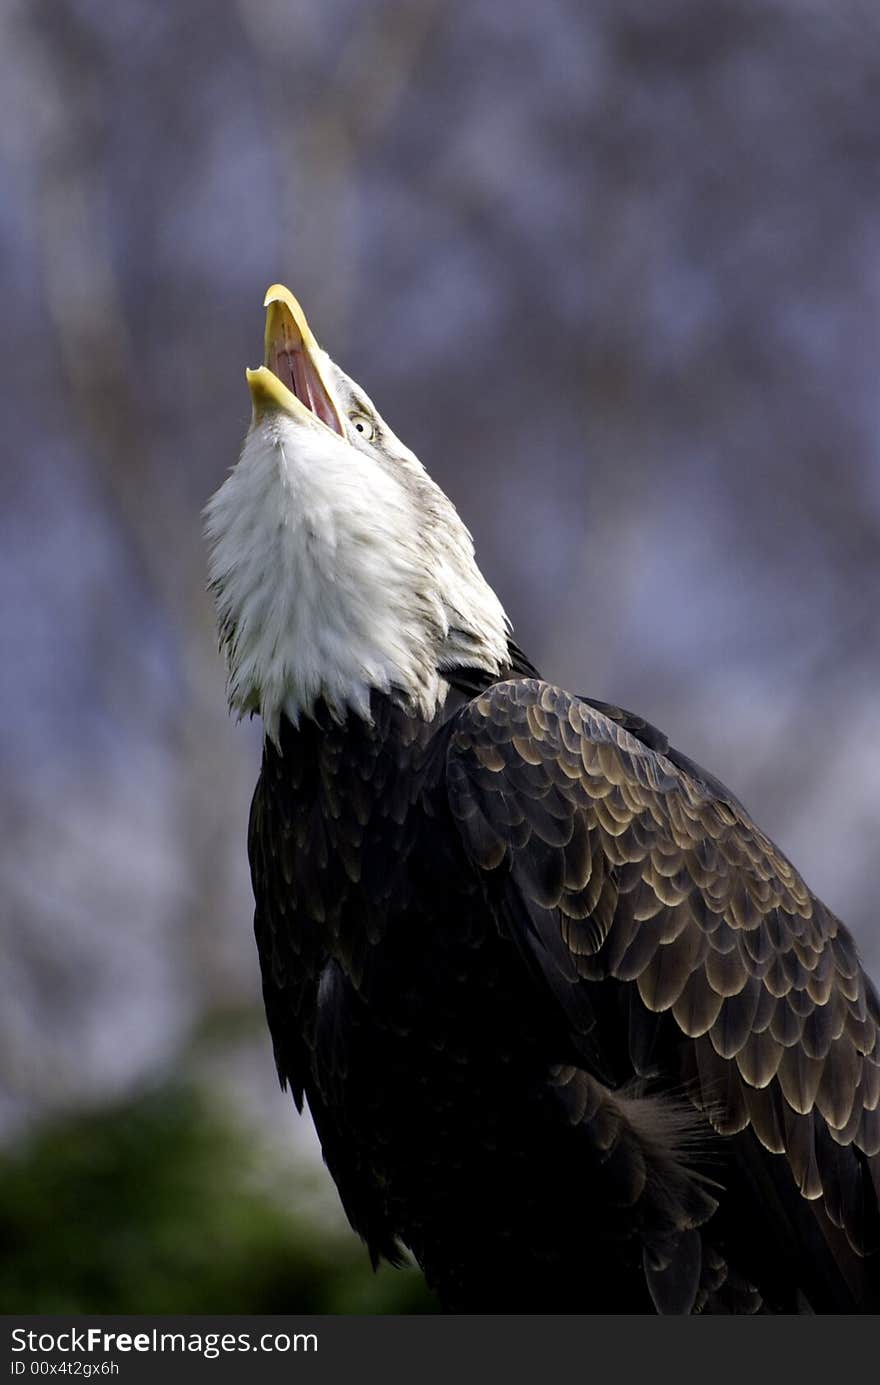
(338, 567)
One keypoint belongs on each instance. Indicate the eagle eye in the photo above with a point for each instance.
(362, 425)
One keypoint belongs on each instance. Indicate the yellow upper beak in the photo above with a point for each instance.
(292, 378)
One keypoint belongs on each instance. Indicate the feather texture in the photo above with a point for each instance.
(712, 926)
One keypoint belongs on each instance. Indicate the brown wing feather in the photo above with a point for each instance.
(652, 875)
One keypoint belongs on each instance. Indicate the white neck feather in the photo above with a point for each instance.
(333, 576)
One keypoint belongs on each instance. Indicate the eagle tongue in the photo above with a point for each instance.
(310, 390)
(293, 367)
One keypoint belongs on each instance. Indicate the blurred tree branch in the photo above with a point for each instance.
(98, 353)
(322, 128)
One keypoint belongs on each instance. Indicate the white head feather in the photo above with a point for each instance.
(339, 567)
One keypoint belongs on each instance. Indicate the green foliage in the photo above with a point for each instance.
(157, 1206)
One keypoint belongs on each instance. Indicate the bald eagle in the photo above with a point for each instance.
(570, 1027)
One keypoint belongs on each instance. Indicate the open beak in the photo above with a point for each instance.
(291, 378)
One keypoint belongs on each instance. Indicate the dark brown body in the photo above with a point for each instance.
(457, 963)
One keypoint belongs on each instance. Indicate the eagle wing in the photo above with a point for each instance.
(623, 872)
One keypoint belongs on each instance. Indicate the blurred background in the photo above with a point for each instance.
(612, 269)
